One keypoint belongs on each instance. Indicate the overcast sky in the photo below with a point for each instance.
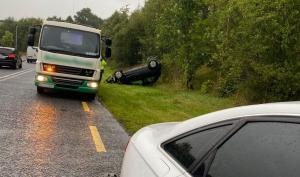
(61, 8)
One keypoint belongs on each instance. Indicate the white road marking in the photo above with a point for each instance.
(14, 73)
(11, 76)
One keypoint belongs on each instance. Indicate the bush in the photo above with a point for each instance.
(273, 83)
(207, 87)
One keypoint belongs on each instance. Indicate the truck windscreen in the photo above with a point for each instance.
(70, 41)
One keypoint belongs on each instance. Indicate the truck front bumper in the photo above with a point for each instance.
(61, 83)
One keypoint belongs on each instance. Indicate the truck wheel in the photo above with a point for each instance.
(40, 90)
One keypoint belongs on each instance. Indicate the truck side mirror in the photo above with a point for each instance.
(31, 40)
(31, 36)
(108, 42)
(32, 30)
(107, 52)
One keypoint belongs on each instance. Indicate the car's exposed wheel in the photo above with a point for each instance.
(153, 64)
(40, 90)
(119, 75)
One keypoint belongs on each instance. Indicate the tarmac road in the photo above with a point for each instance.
(54, 134)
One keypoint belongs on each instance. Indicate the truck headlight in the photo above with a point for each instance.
(92, 84)
(41, 78)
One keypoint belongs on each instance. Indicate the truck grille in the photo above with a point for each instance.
(72, 70)
(67, 82)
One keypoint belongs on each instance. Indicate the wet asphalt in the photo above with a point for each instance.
(50, 135)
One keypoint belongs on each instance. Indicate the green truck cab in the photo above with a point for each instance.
(68, 57)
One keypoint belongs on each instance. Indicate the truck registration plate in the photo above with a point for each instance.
(46, 85)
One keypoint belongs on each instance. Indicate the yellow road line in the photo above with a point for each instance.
(85, 107)
(95, 133)
(97, 139)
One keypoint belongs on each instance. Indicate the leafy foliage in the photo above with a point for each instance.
(86, 17)
(55, 18)
(257, 48)
(69, 19)
(7, 39)
(22, 26)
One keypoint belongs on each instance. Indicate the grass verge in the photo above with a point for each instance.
(137, 106)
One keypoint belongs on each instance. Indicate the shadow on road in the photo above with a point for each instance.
(66, 95)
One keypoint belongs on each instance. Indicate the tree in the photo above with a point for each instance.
(23, 25)
(55, 18)
(176, 30)
(114, 23)
(127, 46)
(257, 48)
(8, 24)
(152, 13)
(86, 17)
(69, 19)
(23, 28)
(7, 39)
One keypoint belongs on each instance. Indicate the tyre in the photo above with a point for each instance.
(119, 75)
(40, 90)
(153, 64)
